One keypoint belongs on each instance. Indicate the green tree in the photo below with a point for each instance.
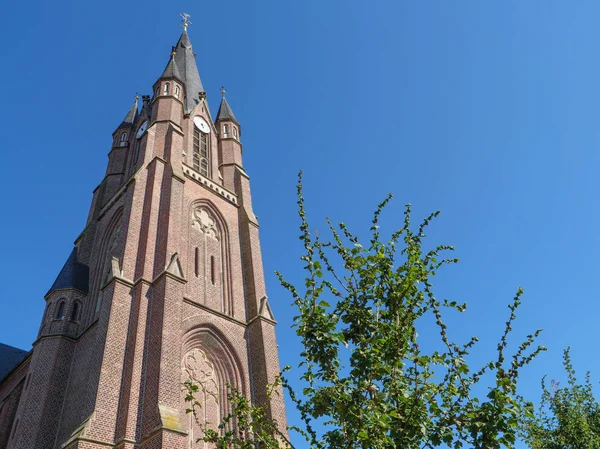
(368, 382)
(568, 417)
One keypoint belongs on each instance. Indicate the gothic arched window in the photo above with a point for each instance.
(166, 89)
(225, 130)
(75, 312)
(200, 152)
(235, 132)
(176, 90)
(60, 313)
(123, 140)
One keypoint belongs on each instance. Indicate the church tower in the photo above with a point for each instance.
(164, 284)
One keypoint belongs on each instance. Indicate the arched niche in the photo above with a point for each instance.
(208, 265)
(210, 362)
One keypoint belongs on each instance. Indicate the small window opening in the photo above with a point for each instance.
(212, 270)
(166, 90)
(196, 270)
(235, 132)
(75, 312)
(225, 130)
(61, 311)
(177, 91)
(123, 140)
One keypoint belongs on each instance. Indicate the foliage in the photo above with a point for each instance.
(245, 427)
(567, 417)
(368, 383)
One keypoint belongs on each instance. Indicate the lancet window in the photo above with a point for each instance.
(200, 152)
(61, 311)
(123, 140)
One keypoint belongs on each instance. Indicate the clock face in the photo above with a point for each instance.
(201, 124)
(142, 129)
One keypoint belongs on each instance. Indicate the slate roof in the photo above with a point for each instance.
(9, 358)
(132, 115)
(185, 60)
(171, 71)
(73, 275)
(225, 112)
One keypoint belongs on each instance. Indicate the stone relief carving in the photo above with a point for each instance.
(203, 221)
(199, 370)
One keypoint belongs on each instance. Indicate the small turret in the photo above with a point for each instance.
(229, 142)
(65, 299)
(122, 134)
(229, 126)
(169, 93)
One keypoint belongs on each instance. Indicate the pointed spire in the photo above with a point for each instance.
(225, 112)
(185, 62)
(73, 275)
(171, 71)
(132, 115)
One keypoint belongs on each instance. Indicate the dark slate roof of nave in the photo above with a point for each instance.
(10, 357)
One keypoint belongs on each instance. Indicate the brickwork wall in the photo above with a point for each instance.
(10, 395)
(83, 382)
(113, 375)
(40, 405)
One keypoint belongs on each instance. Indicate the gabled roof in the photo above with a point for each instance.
(73, 275)
(185, 59)
(10, 357)
(225, 112)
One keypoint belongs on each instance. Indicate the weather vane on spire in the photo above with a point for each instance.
(185, 19)
(223, 91)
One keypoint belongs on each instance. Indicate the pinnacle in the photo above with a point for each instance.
(132, 115)
(225, 112)
(171, 71)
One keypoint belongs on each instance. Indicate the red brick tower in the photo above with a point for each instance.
(165, 283)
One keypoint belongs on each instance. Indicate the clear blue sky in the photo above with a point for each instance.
(488, 111)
